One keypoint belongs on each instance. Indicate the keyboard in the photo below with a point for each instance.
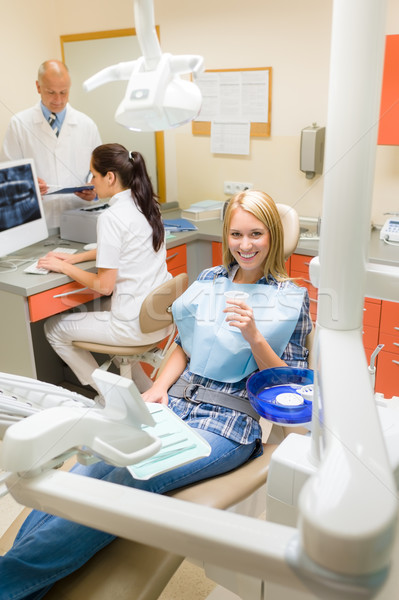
(35, 270)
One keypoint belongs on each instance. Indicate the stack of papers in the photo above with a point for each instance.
(178, 225)
(207, 209)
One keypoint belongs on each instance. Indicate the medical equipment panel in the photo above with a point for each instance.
(390, 230)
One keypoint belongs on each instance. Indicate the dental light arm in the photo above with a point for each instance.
(146, 33)
(156, 98)
(120, 72)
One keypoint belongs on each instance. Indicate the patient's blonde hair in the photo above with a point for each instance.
(263, 207)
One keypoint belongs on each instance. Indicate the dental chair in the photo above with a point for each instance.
(125, 570)
(155, 315)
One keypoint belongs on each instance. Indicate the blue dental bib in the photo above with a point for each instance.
(219, 351)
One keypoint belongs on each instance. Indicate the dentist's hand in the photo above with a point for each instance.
(43, 187)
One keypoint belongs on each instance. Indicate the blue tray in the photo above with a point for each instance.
(273, 393)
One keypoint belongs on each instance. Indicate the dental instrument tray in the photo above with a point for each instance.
(282, 395)
(126, 432)
(181, 444)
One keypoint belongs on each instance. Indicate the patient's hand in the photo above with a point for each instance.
(156, 394)
(241, 316)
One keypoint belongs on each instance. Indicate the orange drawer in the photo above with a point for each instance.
(300, 273)
(45, 304)
(217, 255)
(305, 282)
(390, 317)
(178, 270)
(300, 262)
(391, 342)
(177, 257)
(371, 313)
(387, 381)
(370, 337)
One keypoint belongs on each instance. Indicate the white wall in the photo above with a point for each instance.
(291, 36)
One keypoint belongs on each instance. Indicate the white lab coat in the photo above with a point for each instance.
(62, 161)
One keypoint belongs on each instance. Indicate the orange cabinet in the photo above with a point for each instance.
(371, 325)
(59, 299)
(217, 255)
(299, 271)
(176, 260)
(387, 381)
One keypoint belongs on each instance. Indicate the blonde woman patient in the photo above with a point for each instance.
(220, 343)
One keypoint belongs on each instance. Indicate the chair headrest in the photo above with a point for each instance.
(290, 220)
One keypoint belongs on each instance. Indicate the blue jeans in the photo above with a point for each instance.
(47, 548)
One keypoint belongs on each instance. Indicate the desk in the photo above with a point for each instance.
(23, 347)
(26, 300)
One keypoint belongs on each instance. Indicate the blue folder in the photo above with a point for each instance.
(179, 225)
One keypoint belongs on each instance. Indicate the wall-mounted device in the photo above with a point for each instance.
(390, 230)
(312, 150)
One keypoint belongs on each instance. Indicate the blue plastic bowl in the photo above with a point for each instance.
(264, 388)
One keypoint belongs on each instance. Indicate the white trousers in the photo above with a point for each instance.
(62, 330)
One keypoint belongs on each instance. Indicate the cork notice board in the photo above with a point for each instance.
(236, 94)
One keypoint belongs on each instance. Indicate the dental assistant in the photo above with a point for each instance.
(48, 548)
(130, 260)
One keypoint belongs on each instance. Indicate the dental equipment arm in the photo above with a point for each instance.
(112, 433)
(338, 529)
(146, 33)
(156, 98)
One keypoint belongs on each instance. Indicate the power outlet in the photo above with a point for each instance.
(233, 187)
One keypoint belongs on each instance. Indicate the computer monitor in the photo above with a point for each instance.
(22, 220)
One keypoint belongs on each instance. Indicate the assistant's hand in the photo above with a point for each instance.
(241, 316)
(87, 195)
(156, 394)
(51, 262)
(54, 261)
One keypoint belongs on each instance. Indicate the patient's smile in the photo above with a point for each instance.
(247, 255)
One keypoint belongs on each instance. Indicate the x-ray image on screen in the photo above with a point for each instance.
(22, 220)
(18, 198)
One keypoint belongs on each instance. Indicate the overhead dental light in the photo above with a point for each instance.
(156, 97)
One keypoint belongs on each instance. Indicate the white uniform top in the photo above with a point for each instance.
(63, 161)
(124, 242)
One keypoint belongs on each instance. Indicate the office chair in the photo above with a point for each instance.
(155, 315)
(127, 569)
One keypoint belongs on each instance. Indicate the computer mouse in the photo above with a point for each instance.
(90, 247)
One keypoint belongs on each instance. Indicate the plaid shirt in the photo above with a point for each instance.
(229, 423)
